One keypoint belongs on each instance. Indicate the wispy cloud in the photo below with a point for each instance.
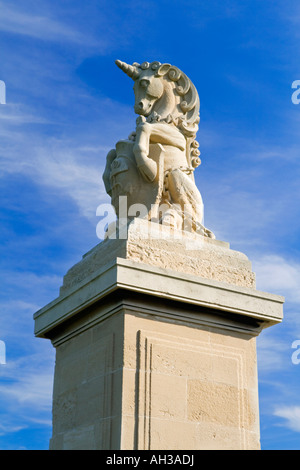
(16, 114)
(26, 379)
(9, 428)
(56, 164)
(271, 352)
(38, 26)
(291, 414)
(80, 181)
(26, 392)
(29, 390)
(278, 275)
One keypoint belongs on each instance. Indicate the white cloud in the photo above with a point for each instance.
(9, 428)
(26, 283)
(271, 352)
(292, 416)
(58, 165)
(38, 26)
(26, 394)
(15, 308)
(31, 389)
(80, 181)
(73, 164)
(277, 275)
(26, 384)
(11, 113)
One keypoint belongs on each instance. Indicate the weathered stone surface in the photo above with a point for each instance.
(161, 246)
(183, 390)
(179, 386)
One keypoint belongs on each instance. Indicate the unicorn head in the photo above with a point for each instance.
(162, 90)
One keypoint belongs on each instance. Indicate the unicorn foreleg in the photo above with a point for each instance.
(146, 166)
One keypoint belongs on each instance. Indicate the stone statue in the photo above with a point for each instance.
(154, 167)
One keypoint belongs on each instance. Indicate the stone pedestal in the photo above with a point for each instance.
(155, 345)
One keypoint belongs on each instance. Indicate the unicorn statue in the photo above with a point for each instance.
(154, 167)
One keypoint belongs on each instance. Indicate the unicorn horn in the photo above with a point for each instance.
(130, 70)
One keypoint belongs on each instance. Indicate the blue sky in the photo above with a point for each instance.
(67, 104)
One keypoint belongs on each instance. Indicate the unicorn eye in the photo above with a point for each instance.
(144, 83)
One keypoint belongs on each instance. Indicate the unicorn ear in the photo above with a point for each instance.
(131, 70)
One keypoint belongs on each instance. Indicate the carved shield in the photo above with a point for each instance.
(142, 197)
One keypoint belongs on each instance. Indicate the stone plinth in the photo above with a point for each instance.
(158, 245)
(150, 357)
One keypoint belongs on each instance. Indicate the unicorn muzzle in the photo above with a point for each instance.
(143, 107)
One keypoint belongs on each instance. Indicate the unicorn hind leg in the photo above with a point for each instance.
(185, 194)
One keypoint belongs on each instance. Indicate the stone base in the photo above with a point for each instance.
(160, 246)
(153, 358)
